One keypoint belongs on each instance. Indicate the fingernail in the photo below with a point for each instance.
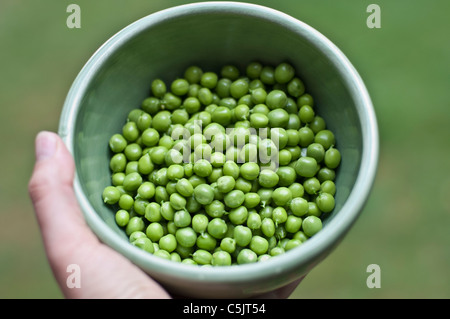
(45, 145)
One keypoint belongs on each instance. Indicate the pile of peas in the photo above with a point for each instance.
(223, 168)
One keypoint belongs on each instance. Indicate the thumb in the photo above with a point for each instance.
(67, 238)
(53, 198)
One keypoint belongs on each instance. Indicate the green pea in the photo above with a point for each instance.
(246, 256)
(184, 187)
(332, 158)
(132, 167)
(287, 175)
(117, 143)
(325, 202)
(204, 194)
(215, 209)
(200, 223)
(154, 231)
(316, 151)
(182, 218)
(150, 137)
(192, 205)
(145, 244)
(253, 70)
(238, 88)
(153, 212)
(209, 80)
(179, 87)
(118, 162)
(279, 215)
(276, 99)
(326, 174)
(126, 202)
(284, 72)
(202, 168)
(234, 199)
(134, 224)
(217, 227)
(135, 235)
(221, 258)
(205, 96)
(278, 117)
(162, 254)
(228, 244)
(326, 138)
(259, 245)
(328, 186)
(232, 169)
(206, 241)
(130, 131)
(254, 221)
(167, 211)
(202, 257)
(293, 224)
(268, 178)
(145, 165)
(117, 178)
(294, 124)
(306, 166)
(311, 225)
(300, 235)
(313, 209)
(249, 171)
(161, 194)
(157, 154)
(168, 243)
(139, 205)
(169, 101)
(299, 206)
(193, 74)
(146, 190)
(158, 88)
(292, 243)
(151, 105)
(196, 180)
(305, 99)
(296, 87)
(242, 235)
(238, 215)
(251, 200)
(318, 124)
(311, 185)
(144, 121)
(259, 120)
(282, 196)
(306, 136)
(132, 181)
(186, 236)
(111, 195)
(266, 196)
(122, 217)
(177, 201)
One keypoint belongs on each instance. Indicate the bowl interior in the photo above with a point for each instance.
(163, 45)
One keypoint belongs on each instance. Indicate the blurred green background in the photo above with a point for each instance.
(405, 64)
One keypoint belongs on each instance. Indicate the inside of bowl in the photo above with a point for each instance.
(164, 46)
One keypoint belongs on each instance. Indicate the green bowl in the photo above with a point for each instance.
(117, 78)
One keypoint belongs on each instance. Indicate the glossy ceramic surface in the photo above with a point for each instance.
(117, 78)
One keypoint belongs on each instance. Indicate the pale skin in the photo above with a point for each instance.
(68, 240)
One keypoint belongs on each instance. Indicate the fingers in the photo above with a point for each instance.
(57, 211)
(68, 240)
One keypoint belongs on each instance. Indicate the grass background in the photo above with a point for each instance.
(405, 64)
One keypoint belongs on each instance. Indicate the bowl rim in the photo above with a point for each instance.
(336, 228)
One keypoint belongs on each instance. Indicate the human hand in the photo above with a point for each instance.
(68, 240)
